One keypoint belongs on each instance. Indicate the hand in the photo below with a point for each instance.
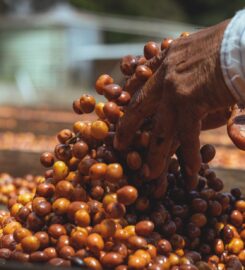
(236, 127)
(185, 94)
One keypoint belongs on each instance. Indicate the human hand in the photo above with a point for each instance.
(236, 126)
(185, 94)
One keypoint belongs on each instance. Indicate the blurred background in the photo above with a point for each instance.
(52, 51)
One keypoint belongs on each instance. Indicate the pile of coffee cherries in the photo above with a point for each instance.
(94, 210)
(20, 188)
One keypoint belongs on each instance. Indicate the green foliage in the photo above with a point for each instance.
(202, 12)
(209, 12)
(164, 9)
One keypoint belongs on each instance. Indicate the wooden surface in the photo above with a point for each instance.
(38, 120)
(20, 163)
(231, 178)
(227, 155)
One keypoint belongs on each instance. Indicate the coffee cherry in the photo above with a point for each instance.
(107, 228)
(236, 192)
(144, 228)
(21, 233)
(97, 171)
(30, 243)
(112, 91)
(128, 64)
(236, 218)
(240, 205)
(79, 126)
(47, 159)
(38, 257)
(85, 164)
(219, 246)
(166, 43)
(112, 259)
(114, 172)
(82, 218)
(214, 208)
(199, 219)
(99, 130)
(80, 149)
(17, 206)
(11, 227)
(56, 230)
(43, 239)
(143, 72)
(115, 210)
(60, 206)
(97, 192)
(207, 152)
(66, 252)
(216, 184)
(43, 208)
(63, 152)
(45, 190)
(64, 135)
(241, 257)
(76, 106)
(236, 245)
(64, 189)
(34, 222)
(78, 239)
(101, 82)
(74, 207)
(136, 242)
(60, 170)
(136, 262)
(127, 195)
(87, 103)
(95, 242)
(123, 99)
(99, 109)
(151, 49)
(112, 112)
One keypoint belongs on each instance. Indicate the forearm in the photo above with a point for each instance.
(232, 56)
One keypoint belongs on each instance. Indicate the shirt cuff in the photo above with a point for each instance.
(232, 56)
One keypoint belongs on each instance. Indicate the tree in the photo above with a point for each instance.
(209, 12)
(201, 12)
(167, 9)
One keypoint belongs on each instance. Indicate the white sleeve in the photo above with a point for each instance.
(232, 56)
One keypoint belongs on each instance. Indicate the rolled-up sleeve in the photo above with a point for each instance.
(232, 55)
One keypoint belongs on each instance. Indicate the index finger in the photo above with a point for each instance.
(189, 151)
(142, 105)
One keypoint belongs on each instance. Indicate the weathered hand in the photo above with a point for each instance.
(185, 94)
(236, 126)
